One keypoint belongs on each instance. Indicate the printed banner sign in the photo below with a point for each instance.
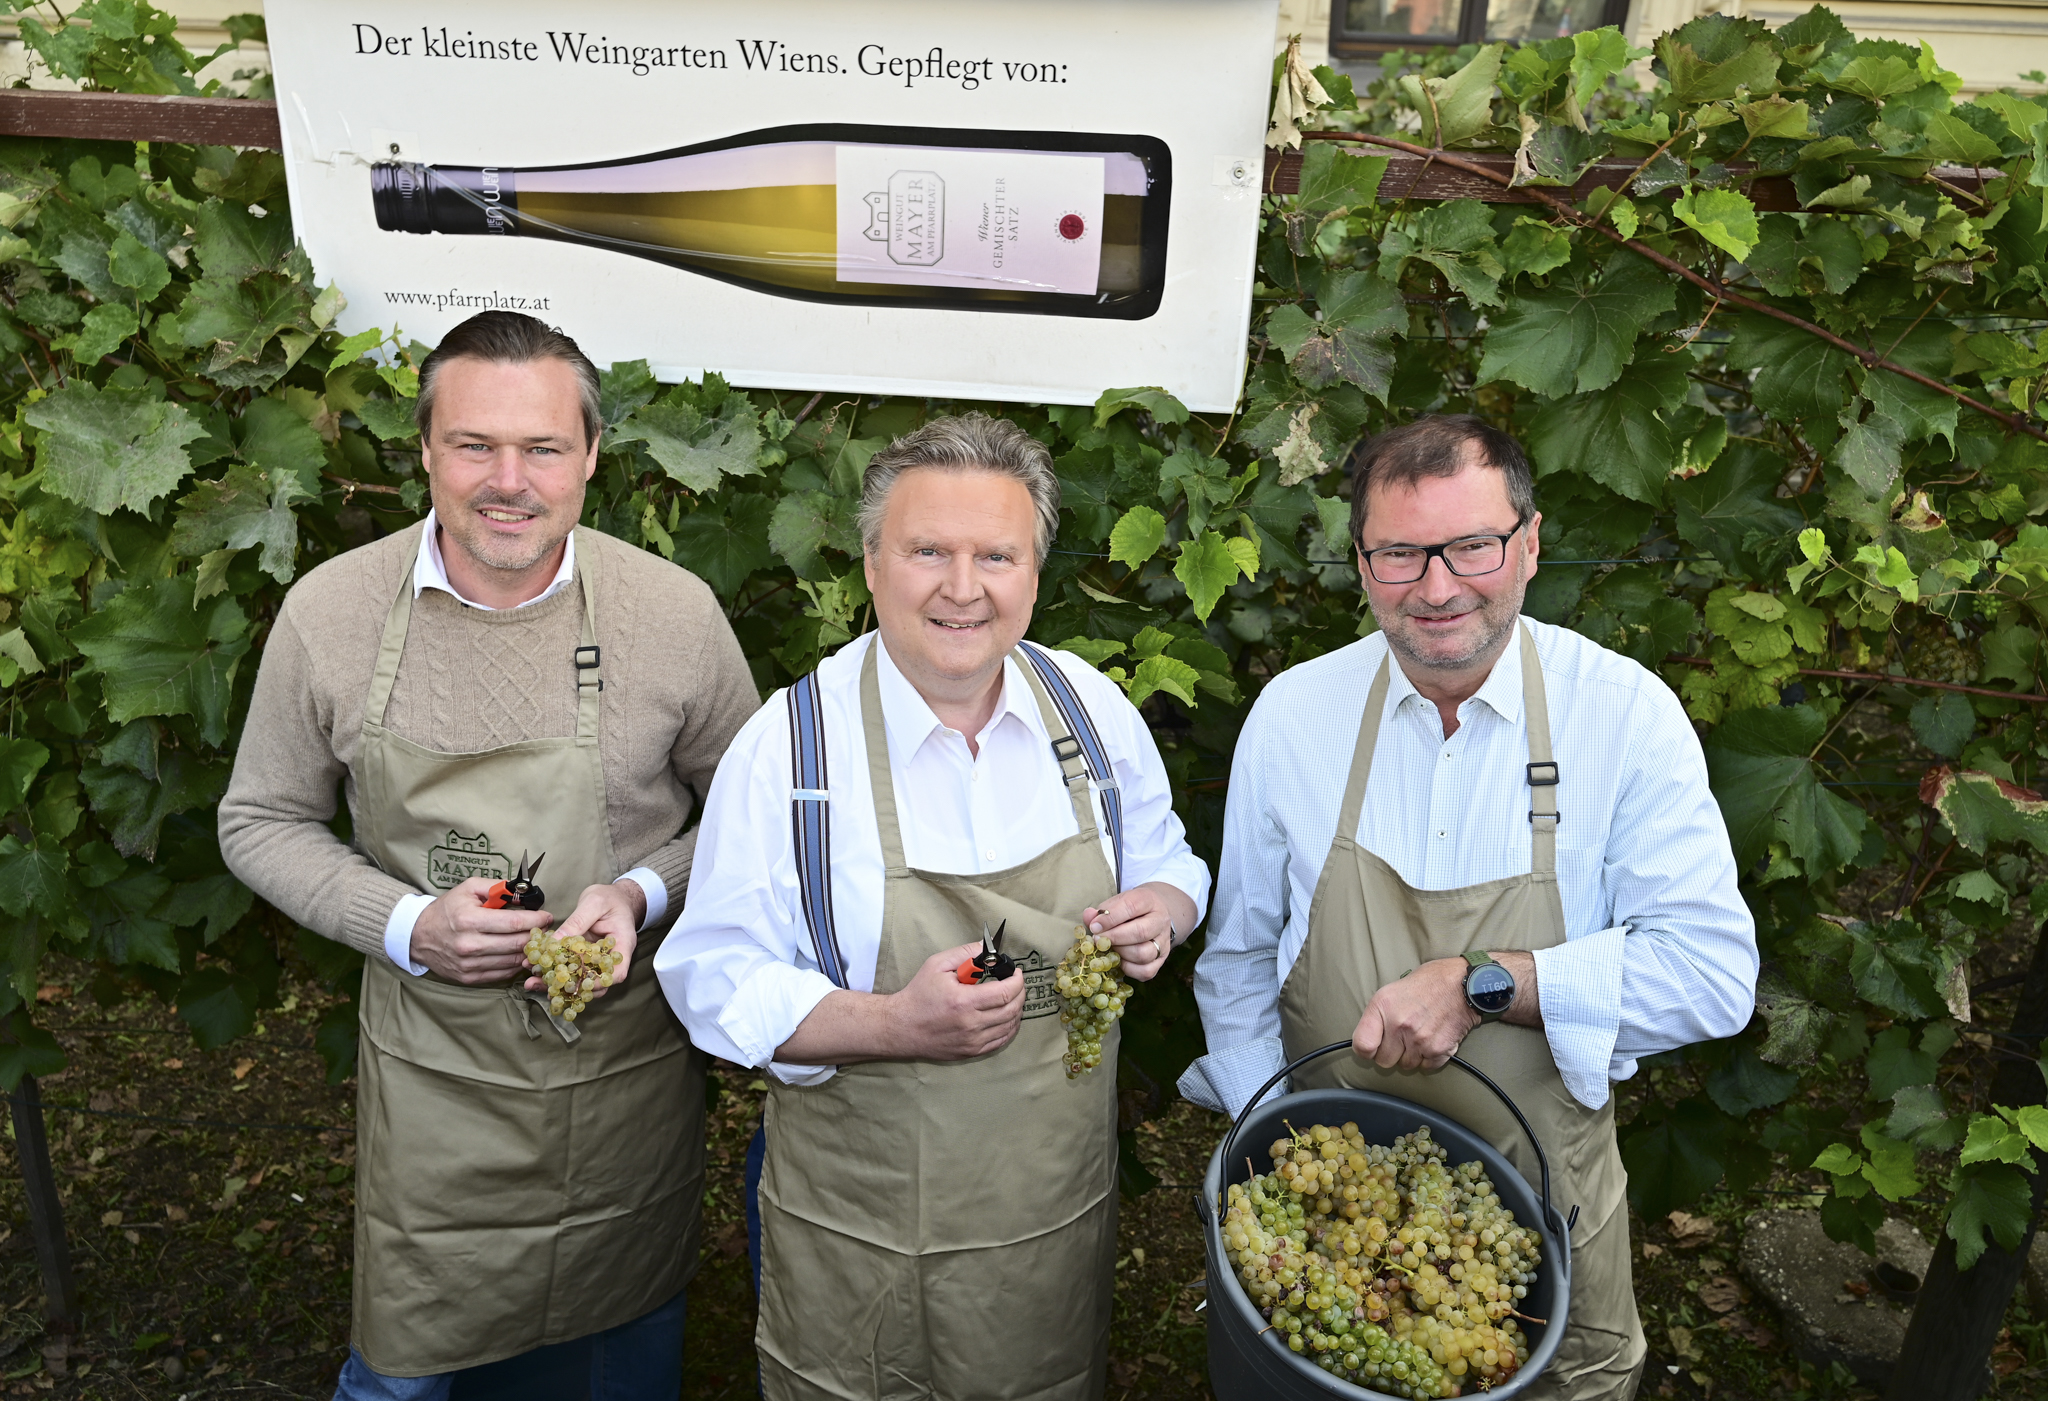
(1035, 201)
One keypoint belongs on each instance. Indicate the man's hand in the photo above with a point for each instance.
(463, 941)
(1417, 1023)
(933, 1017)
(1141, 924)
(937, 1017)
(614, 909)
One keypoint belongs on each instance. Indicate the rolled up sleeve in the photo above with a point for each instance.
(734, 967)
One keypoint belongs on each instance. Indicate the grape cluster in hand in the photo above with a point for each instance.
(1093, 993)
(573, 969)
(1382, 1264)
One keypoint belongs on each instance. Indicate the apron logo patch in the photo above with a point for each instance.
(458, 858)
(1041, 997)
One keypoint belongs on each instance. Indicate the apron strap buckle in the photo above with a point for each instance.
(1548, 780)
(582, 665)
(1067, 751)
(1556, 817)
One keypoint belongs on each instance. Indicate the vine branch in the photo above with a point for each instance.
(1700, 280)
(2029, 697)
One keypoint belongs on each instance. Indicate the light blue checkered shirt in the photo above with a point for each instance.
(1660, 951)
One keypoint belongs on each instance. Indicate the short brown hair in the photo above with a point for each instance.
(509, 338)
(969, 442)
(1434, 446)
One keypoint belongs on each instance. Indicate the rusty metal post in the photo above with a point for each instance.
(45, 1211)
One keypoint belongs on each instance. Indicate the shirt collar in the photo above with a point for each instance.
(909, 721)
(430, 571)
(1501, 691)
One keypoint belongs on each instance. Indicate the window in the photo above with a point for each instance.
(1365, 28)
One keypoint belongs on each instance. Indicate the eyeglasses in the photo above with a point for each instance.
(1464, 557)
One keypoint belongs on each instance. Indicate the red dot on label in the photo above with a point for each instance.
(1071, 226)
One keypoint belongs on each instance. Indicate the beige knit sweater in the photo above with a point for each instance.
(676, 691)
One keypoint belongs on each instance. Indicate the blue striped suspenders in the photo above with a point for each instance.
(1082, 729)
(810, 815)
(810, 800)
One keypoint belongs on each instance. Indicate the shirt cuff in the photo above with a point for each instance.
(398, 931)
(766, 1009)
(1578, 986)
(657, 894)
(1226, 1080)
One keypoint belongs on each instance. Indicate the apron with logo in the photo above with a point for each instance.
(520, 1181)
(1367, 927)
(949, 1230)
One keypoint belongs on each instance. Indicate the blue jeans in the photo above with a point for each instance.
(637, 1361)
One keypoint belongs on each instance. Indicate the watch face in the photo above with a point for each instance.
(1490, 988)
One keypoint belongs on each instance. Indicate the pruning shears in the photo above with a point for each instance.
(519, 892)
(991, 965)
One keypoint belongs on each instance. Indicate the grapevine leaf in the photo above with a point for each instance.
(1164, 673)
(1731, 510)
(1093, 650)
(1352, 342)
(20, 761)
(1615, 435)
(33, 878)
(1276, 511)
(1894, 974)
(132, 805)
(105, 328)
(273, 438)
(1890, 1169)
(1871, 451)
(1715, 56)
(30, 1050)
(1746, 1082)
(1943, 722)
(1456, 239)
(239, 320)
(1579, 333)
(121, 927)
(1759, 769)
(1597, 55)
(134, 265)
(725, 549)
(1459, 107)
(1722, 217)
(1206, 567)
(1334, 179)
(1137, 537)
(1677, 1157)
(392, 421)
(159, 655)
(627, 387)
(1872, 69)
(112, 448)
(1799, 375)
(1534, 247)
(242, 509)
(1334, 515)
(218, 1005)
(1776, 116)
(232, 243)
(1893, 1063)
(1839, 1160)
(1299, 455)
(803, 523)
(1163, 407)
(697, 449)
(1982, 808)
(1920, 1117)
(1995, 1199)
(2031, 1120)
(1784, 250)
(1991, 1139)
(217, 901)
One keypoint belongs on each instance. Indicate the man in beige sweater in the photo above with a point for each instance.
(490, 687)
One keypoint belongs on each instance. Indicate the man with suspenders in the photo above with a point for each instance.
(1521, 863)
(937, 1199)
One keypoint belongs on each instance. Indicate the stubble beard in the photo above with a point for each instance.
(496, 552)
(1497, 616)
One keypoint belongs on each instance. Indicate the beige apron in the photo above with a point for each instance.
(514, 1186)
(1367, 927)
(949, 1231)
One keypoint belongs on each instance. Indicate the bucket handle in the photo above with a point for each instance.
(1542, 1160)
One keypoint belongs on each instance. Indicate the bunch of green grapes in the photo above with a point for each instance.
(573, 969)
(1383, 1264)
(1093, 993)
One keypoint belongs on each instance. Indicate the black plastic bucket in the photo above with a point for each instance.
(1247, 1363)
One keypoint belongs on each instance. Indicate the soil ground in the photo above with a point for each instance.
(212, 1257)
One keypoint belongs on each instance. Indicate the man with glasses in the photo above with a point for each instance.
(1522, 864)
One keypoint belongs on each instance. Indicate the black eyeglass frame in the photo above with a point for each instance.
(1430, 552)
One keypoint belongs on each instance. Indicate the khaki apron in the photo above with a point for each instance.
(1367, 927)
(515, 1185)
(949, 1231)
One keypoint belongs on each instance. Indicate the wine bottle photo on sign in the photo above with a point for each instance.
(1057, 223)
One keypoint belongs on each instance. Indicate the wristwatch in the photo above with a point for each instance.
(1489, 988)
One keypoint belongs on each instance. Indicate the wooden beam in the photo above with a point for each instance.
(1415, 177)
(120, 116)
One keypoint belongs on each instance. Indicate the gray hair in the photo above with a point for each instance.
(970, 442)
(509, 338)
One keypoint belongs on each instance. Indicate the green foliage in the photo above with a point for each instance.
(182, 434)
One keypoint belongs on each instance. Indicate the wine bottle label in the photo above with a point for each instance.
(939, 217)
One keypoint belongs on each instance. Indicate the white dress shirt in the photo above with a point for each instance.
(430, 571)
(739, 967)
(1661, 950)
